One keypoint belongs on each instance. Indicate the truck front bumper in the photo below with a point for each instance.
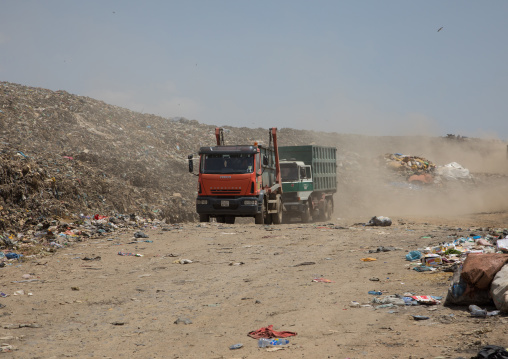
(238, 207)
(294, 207)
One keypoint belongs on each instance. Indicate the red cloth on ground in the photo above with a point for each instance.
(268, 332)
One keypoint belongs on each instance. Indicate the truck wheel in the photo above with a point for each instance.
(329, 209)
(306, 215)
(277, 217)
(204, 218)
(260, 217)
(230, 220)
(220, 219)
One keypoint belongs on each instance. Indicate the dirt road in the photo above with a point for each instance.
(89, 301)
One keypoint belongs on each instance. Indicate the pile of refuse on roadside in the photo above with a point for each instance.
(480, 267)
(408, 164)
(50, 235)
(420, 170)
(478, 263)
(446, 254)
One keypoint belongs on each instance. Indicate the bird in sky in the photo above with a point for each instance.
(441, 28)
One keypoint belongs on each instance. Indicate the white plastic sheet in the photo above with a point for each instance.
(453, 170)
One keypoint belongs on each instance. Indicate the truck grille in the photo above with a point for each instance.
(226, 191)
(231, 206)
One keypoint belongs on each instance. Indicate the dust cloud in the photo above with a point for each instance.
(367, 189)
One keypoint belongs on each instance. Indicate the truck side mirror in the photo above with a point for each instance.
(265, 160)
(303, 173)
(191, 163)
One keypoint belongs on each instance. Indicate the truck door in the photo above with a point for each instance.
(308, 173)
(259, 172)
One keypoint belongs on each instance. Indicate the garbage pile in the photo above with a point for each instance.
(409, 165)
(452, 252)
(479, 266)
(63, 155)
(420, 171)
(453, 171)
(50, 235)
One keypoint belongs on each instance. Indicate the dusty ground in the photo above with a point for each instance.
(64, 155)
(242, 277)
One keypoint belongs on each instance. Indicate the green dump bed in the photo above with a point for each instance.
(322, 159)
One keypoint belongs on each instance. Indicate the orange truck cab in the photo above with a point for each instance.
(239, 181)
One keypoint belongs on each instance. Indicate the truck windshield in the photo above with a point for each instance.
(289, 172)
(227, 163)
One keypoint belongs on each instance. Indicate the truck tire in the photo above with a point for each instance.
(204, 218)
(260, 217)
(220, 219)
(329, 209)
(230, 219)
(305, 215)
(277, 217)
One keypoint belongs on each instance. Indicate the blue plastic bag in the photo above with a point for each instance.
(413, 255)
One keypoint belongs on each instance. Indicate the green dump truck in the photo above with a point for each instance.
(309, 180)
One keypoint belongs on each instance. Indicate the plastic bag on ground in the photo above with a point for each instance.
(499, 289)
(453, 170)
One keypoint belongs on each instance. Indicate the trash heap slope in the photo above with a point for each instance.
(63, 155)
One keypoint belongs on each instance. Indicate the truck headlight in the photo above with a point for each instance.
(250, 202)
(201, 201)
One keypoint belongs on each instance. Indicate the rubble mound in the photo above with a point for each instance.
(70, 156)
(66, 155)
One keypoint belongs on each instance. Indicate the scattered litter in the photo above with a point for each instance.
(413, 255)
(182, 261)
(304, 264)
(423, 268)
(492, 352)
(379, 221)
(26, 281)
(5, 348)
(130, 254)
(420, 317)
(426, 299)
(182, 320)
(382, 249)
(323, 280)
(270, 342)
(96, 258)
(140, 235)
(432, 260)
(268, 332)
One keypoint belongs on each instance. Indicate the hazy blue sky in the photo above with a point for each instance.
(369, 67)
